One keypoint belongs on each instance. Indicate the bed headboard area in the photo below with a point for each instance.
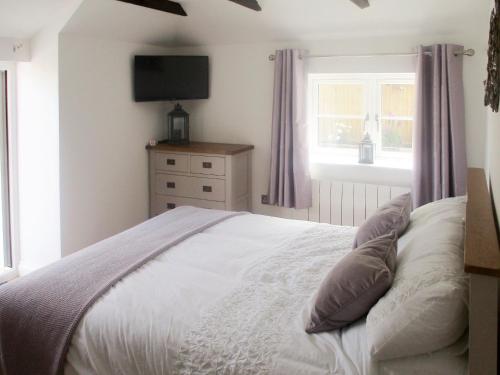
(482, 253)
(482, 263)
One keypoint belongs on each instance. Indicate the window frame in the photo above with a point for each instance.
(4, 170)
(11, 169)
(373, 105)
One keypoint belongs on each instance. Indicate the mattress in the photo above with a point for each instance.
(234, 299)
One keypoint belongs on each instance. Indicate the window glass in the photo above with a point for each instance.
(340, 132)
(342, 99)
(398, 109)
(398, 99)
(341, 114)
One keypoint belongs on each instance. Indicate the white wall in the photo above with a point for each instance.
(38, 154)
(240, 104)
(38, 147)
(103, 133)
(82, 158)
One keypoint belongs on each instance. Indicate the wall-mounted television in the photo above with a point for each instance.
(170, 78)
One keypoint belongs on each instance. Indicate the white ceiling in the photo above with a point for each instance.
(24, 18)
(223, 22)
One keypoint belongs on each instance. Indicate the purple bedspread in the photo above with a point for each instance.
(40, 312)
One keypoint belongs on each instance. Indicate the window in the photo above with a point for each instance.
(341, 114)
(345, 107)
(397, 109)
(5, 243)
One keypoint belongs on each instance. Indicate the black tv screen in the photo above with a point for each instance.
(170, 78)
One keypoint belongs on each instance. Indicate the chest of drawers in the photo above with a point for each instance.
(207, 175)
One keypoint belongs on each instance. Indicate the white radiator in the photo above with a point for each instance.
(345, 203)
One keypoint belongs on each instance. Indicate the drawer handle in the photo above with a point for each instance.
(207, 165)
(170, 185)
(207, 189)
(170, 161)
(170, 206)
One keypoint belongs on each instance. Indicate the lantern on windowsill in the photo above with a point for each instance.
(178, 126)
(366, 150)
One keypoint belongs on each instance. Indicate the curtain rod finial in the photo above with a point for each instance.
(467, 52)
(470, 52)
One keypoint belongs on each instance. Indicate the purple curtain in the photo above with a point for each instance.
(440, 165)
(290, 181)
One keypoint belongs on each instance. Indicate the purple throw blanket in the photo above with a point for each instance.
(40, 312)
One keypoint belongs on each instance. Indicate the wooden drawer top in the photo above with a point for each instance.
(203, 148)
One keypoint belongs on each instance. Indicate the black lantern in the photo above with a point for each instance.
(178, 126)
(366, 150)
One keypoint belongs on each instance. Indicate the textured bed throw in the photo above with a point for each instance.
(40, 312)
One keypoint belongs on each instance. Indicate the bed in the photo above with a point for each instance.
(234, 297)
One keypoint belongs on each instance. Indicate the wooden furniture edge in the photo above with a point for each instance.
(482, 253)
(482, 262)
(204, 148)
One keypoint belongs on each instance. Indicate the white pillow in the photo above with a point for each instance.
(426, 308)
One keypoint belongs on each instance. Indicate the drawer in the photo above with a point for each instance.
(170, 184)
(172, 162)
(208, 165)
(208, 188)
(191, 187)
(164, 203)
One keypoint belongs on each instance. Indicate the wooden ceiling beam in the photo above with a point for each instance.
(163, 5)
(362, 3)
(251, 4)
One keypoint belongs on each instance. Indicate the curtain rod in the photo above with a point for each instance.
(467, 52)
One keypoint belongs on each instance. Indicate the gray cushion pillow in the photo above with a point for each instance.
(394, 215)
(354, 285)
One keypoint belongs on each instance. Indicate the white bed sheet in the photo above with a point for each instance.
(141, 324)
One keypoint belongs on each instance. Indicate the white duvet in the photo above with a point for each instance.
(233, 299)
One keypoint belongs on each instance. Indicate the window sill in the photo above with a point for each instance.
(390, 172)
(402, 163)
(7, 274)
